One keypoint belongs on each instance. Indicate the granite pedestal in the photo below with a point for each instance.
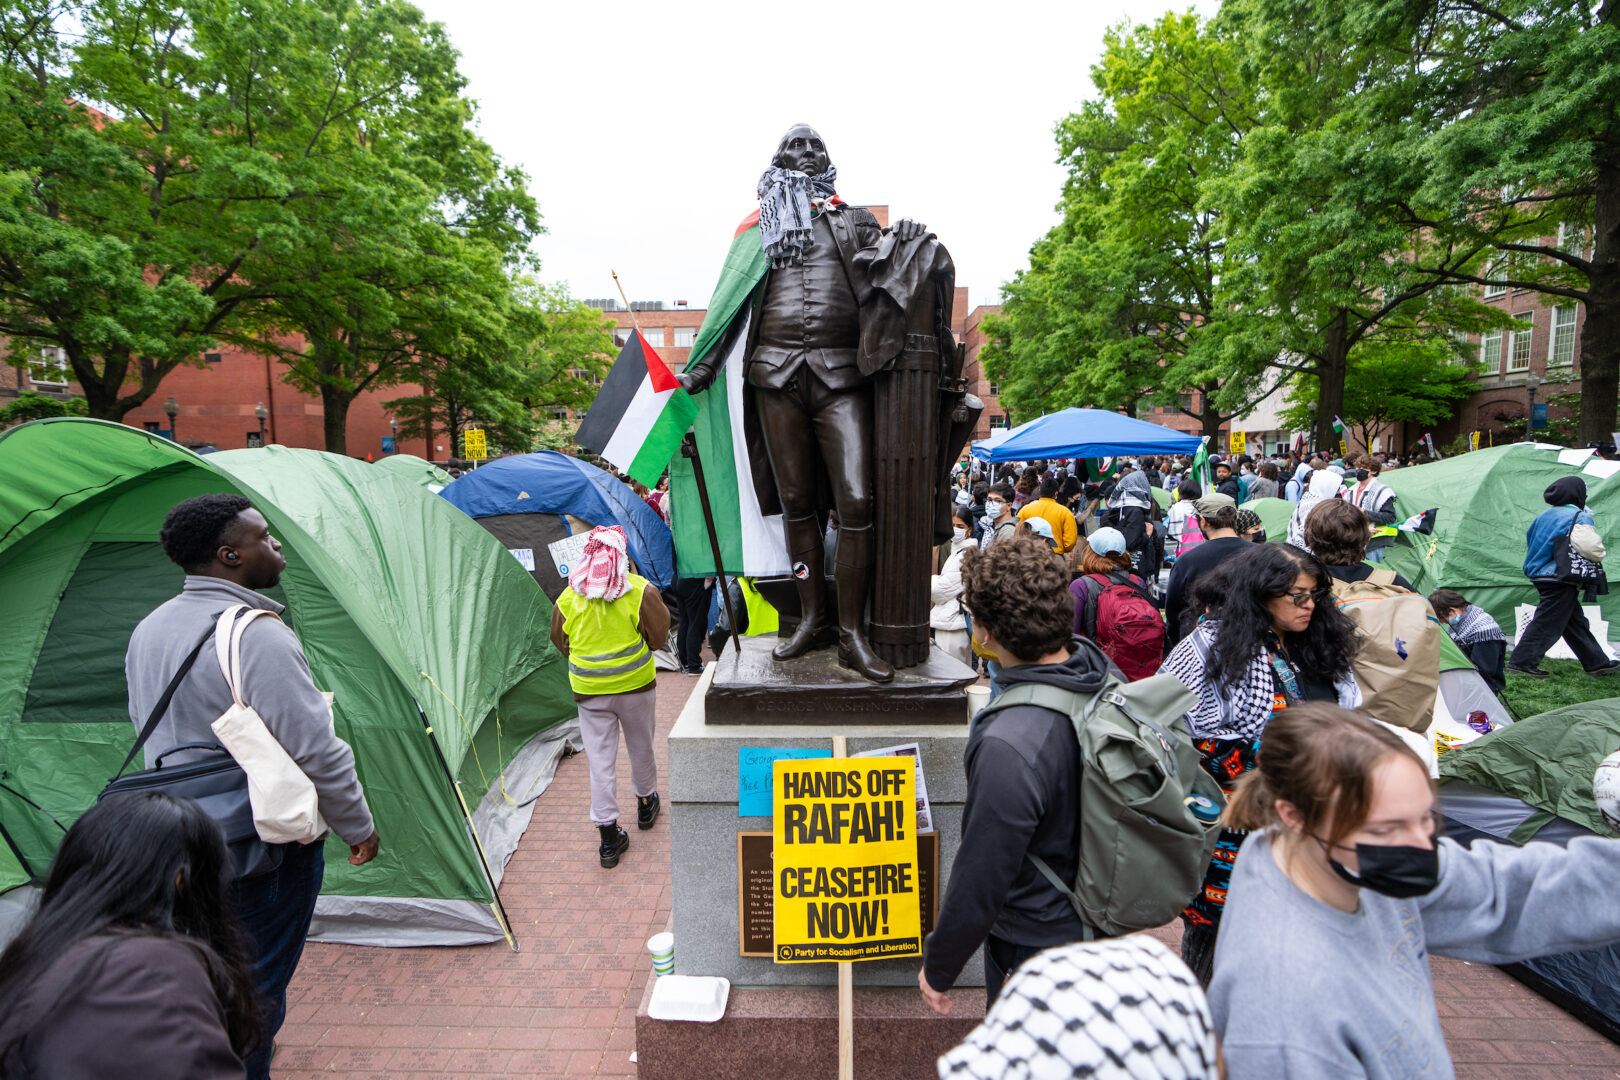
(704, 823)
(782, 1019)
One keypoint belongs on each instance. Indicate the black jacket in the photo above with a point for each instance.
(1023, 795)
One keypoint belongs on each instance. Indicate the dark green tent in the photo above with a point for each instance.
(433, 638)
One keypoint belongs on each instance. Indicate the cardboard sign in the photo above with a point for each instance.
(473, 445)
(844, 839)
(1240, 442)
(524, 556)
(754, 775)
(566, 552)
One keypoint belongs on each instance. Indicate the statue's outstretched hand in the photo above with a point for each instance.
(910, 230)
(692, 382)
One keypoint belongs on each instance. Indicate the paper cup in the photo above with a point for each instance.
(977, 698)
(662, 949)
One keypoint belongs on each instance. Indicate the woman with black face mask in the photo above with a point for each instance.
(1343, 887)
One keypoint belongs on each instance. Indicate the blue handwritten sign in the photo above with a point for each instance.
(754, 775)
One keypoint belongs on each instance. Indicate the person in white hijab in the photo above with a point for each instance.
(1324, 485)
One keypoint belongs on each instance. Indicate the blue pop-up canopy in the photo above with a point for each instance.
(1077, 433)
(549, 483)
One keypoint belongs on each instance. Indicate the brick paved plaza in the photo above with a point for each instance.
(566, 1005)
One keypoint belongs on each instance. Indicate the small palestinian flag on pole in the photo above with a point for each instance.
(640, 414)
(1419, 523)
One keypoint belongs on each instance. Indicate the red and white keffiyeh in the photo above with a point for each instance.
(602, 573)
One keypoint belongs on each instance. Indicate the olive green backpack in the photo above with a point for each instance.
(1149, 813)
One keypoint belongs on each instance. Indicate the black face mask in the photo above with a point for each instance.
(1397, 872)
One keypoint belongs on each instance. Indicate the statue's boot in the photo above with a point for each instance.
(809, 573)
(854, 582)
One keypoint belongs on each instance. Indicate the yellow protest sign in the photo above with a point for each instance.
(473, 446)
(1344, 448)
(1240, 442)
(844, 837)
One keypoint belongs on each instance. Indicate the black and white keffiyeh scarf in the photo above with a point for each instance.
(1119, 1009)
(1475, 625)
(1133, 490)
(786, 197)
(1224, 712)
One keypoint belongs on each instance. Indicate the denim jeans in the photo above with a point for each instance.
(275, 909)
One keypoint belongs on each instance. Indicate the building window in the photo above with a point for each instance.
(254, 440)
(998, 421)
(211, 358)
(1492, 270)
(621, 335)
(51, 370)
(995, 389)
(1490, 352)
(1518, 344)
(655, 338)
(1184, 402)
(1574, 239)
(154, 427)
(1561, 349)
(685, 336)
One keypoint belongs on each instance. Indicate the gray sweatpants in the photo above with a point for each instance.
(600, 720)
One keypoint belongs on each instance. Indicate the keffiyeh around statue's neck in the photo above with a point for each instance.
(786, 197)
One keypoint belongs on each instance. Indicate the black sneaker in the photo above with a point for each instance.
(647, 810)
(1606, 669)
(614, 843)
(1533, 672)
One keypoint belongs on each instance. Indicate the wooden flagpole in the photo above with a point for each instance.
(846, 980)
(689, 449)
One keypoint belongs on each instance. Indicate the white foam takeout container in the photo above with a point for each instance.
(689, 997)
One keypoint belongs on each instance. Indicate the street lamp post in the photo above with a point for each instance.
(393, 430)
(261, 414)
(171, 409)
(1531, 383)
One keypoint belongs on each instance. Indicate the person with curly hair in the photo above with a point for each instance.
(225, 547)
(1272, 639)
(1023, 775)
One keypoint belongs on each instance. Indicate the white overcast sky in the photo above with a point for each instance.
(644, 126)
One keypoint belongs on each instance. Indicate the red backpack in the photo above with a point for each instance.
(1129, 628)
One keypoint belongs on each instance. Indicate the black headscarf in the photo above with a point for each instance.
(1566, 491)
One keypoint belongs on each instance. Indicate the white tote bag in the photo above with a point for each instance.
(286, 807)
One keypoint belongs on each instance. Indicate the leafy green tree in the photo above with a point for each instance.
(1391, 382)
(1120, 303)
(547, 362)
(32, 405)
(1325, 260)
(1512, 111)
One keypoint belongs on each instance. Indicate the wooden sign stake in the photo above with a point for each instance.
(846, 980)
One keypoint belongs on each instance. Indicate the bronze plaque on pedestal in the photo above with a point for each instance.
(754, 907)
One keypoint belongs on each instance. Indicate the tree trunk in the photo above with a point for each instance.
(1600, 338)
(1331, 368)
(335, 419)
(1210, 422)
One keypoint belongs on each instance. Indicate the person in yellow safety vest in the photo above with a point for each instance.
(762, 617)
(608, 622)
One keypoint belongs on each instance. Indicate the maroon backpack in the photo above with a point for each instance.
(1129, 628)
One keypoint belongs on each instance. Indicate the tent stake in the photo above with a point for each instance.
(497, 908)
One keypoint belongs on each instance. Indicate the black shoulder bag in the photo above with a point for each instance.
(216, 783)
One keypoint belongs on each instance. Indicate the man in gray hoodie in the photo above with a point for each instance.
(228, 554)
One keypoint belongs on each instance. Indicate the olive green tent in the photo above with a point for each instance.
(433, 639)
(1487, 500)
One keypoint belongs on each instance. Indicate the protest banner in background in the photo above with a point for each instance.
(845, 849)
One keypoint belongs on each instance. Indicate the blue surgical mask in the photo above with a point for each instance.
(1455, 621)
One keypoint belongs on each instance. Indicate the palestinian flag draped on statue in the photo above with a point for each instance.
(640, 414)
(751, 542)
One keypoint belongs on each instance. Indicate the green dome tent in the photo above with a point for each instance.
(416, 470)
(1487, 499)
(433, 639)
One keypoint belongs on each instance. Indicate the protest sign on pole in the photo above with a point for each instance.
(845, 844)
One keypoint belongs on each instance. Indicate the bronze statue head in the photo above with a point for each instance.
(802, 149)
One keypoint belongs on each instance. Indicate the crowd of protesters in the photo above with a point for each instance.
(153, 954)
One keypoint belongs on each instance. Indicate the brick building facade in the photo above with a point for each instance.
(217, 403)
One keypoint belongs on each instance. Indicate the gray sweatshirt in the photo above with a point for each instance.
(1308, 992)
(275, 682)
